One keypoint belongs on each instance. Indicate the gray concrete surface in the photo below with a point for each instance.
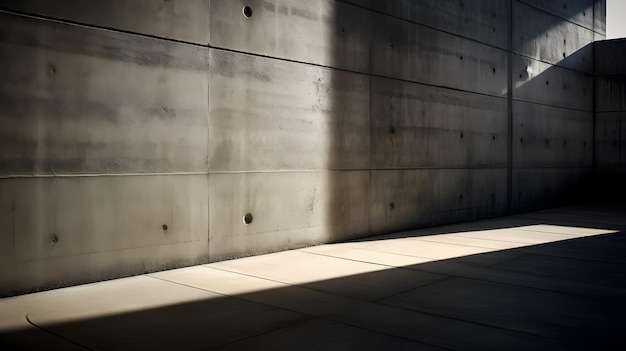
(610, 129)
(548, 280)
(137, 135)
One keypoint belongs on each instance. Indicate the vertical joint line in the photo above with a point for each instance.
(594, 168)
(370, 81)
(509, 175)
(208, 135)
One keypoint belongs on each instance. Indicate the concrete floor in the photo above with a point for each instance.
(543, 280)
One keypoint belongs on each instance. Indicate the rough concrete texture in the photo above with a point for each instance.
(323, 120)
(610, 124)
(184, 20)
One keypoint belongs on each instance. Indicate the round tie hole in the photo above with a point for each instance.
(247, 11)
(247, 218)
(392, 205)
(164, 226)
(54, 239)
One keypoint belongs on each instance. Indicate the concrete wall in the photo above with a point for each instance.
(610, 128)
(137, 135)
(552, 78)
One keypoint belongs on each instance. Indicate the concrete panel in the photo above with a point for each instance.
(406, 199)
(414, 125)
(571, 269)
(610, 140)
(485, 20)
(610, 57)
(186, 20)
(448, 333)
(66, 216)
(289, 210)
(192, 320)
(322, 333)
(80, 100)
(55, 272)
(420, 248)
(323, 32)
(580, 12)
(274, 115)
(545, 136)
(255, 289)
(550, 39)
(407, 51)
(347, 278)
(611, 93)
(599, 17)
(545, 187)
(537, 312)
(364, 254)
(610, 89)
(7, 224)
(539, 82)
